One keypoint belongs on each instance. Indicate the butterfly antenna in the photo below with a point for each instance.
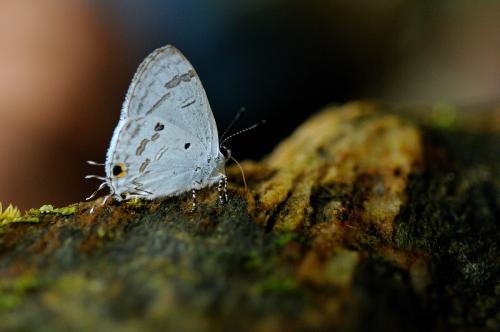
(242, 172)
(242, 131)
(233, 122)
(93, 163)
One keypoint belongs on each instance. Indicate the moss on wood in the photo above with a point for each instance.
(358, 221)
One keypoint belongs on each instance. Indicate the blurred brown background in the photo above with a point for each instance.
(65, 67)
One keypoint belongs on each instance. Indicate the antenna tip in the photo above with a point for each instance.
(93, 163)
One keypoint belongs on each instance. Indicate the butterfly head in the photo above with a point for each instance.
(226, 152)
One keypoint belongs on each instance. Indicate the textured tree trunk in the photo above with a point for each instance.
(359, 221)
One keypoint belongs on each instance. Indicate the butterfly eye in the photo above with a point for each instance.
(119, 170)
(187, 145)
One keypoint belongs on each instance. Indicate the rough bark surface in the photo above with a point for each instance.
(360, 220)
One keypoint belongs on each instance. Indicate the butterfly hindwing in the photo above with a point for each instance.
(161, 163)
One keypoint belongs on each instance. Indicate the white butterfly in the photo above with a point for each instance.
(166, 141)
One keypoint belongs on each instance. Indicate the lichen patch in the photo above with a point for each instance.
(370, 154)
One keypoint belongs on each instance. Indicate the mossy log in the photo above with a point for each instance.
(359, 221)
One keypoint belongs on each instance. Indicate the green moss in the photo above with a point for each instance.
(27, 219)
(443, 116)
(135, 203)
(13, 290)
(277, 285)
(12, 214)
(282, 239)
(452, 217)
(49, 209)
(162, 264)
(101, 232)
(254, 261)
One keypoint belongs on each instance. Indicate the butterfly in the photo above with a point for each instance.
(166, 141)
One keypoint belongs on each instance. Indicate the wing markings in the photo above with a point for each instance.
(158, 103)
(177, 79)
(141, 147)
(188, 102)
(144, 165)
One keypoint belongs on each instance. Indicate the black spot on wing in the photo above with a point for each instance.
(159, 126)
(117, 169)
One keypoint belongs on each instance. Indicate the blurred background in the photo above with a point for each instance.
(65, 67)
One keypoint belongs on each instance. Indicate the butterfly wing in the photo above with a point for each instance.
(156, 158)
(167, 86)
(166, 136)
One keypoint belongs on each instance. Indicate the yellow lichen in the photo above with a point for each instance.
(342, 146)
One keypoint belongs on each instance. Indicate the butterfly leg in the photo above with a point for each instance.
(222, 188)
(219, 189)
(225, 188)
(193, 191)
(102, 204)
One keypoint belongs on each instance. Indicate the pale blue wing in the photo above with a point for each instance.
(166, 140)
(167, 86)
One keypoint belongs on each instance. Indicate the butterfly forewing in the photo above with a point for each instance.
(167, 86)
